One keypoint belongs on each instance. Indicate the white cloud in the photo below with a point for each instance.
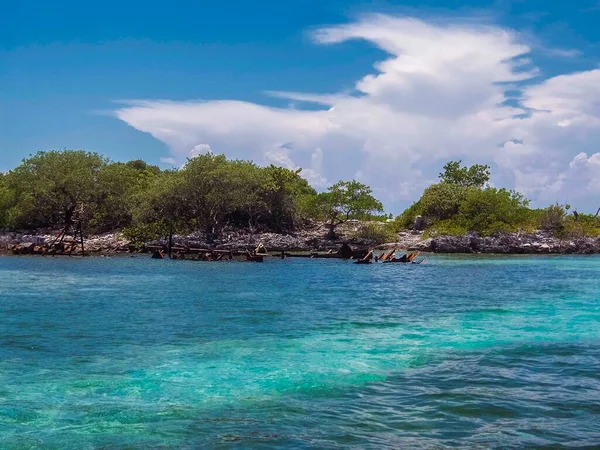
(200, 149)
(565, 121)
(582, 178)
(440, 94)
(168, 160)
(280, 156)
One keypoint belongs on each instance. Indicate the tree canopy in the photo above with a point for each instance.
(52, 189)
(47, 188)
(462, 202)
(346, 200)
(211, 193)
(475, 176)
(207, 194)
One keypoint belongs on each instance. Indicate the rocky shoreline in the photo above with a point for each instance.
(310, 239)
(511, 243)
(313, 239)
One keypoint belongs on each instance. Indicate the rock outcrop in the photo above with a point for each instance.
(510, 243)
(407, 240)
(310, 239)
(18, 243)
(313, 238)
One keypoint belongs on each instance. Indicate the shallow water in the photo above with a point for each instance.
(140, 353)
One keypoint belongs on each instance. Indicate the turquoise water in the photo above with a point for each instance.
(140, 353)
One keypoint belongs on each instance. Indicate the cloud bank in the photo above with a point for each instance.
(445, 91)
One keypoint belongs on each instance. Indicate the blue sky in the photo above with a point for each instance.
(68, 71)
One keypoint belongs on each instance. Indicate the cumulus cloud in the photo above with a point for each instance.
(168, 160)
(444, 91)
(580, 179)
(200, 149)
(564, 120)
(280, 156)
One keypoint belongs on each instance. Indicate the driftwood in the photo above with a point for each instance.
(366, 260)
(158, 254)
(385, 256)
(406, 258)
(253, 257)
(361, 256)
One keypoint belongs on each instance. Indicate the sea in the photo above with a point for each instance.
(460, 351)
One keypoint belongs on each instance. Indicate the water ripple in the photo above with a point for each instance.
(458, 352)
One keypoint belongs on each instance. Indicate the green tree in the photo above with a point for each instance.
(142, 168)
(47, 188)
(246, 181)
(490, 210)
(159, 208)
(346, 200)
(288, 197)
(554, 218)
(210, 193)
(117, 185)
(376, 232)
(440, 201)
(4, 201)
(475, 176)
(209, 197)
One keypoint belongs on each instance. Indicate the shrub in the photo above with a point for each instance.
(439, 202)
(553, 219)
(477, 175)
(377, 232)
(491, 210)
(407, 218)
(584, 225)
(446, 227)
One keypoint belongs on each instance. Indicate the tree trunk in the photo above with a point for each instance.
(81, 237)
(69, 213)
(331, 234)
(210, 233)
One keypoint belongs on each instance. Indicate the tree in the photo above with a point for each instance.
(159, 208)
(142, 167)
(208, 195)
(489, 210)
(4, 201)
(554, 218)
(475, 176)
(117, 185)
(439, 202)
(55, 188)
(47, 188)
(346, 200)
(287, 196)
(247, 183)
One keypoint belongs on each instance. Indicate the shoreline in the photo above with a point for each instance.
(518, 243)
(110, 244)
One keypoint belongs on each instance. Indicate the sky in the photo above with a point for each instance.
(385, 92)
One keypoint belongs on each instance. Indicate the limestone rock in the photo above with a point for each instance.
(420, 223)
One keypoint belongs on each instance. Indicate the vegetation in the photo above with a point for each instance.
(210, 193)
(475, 176)
(377, 232)
(557, 219)
(462, 202)
(343, 201)
(60, 188)
(439, 202)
